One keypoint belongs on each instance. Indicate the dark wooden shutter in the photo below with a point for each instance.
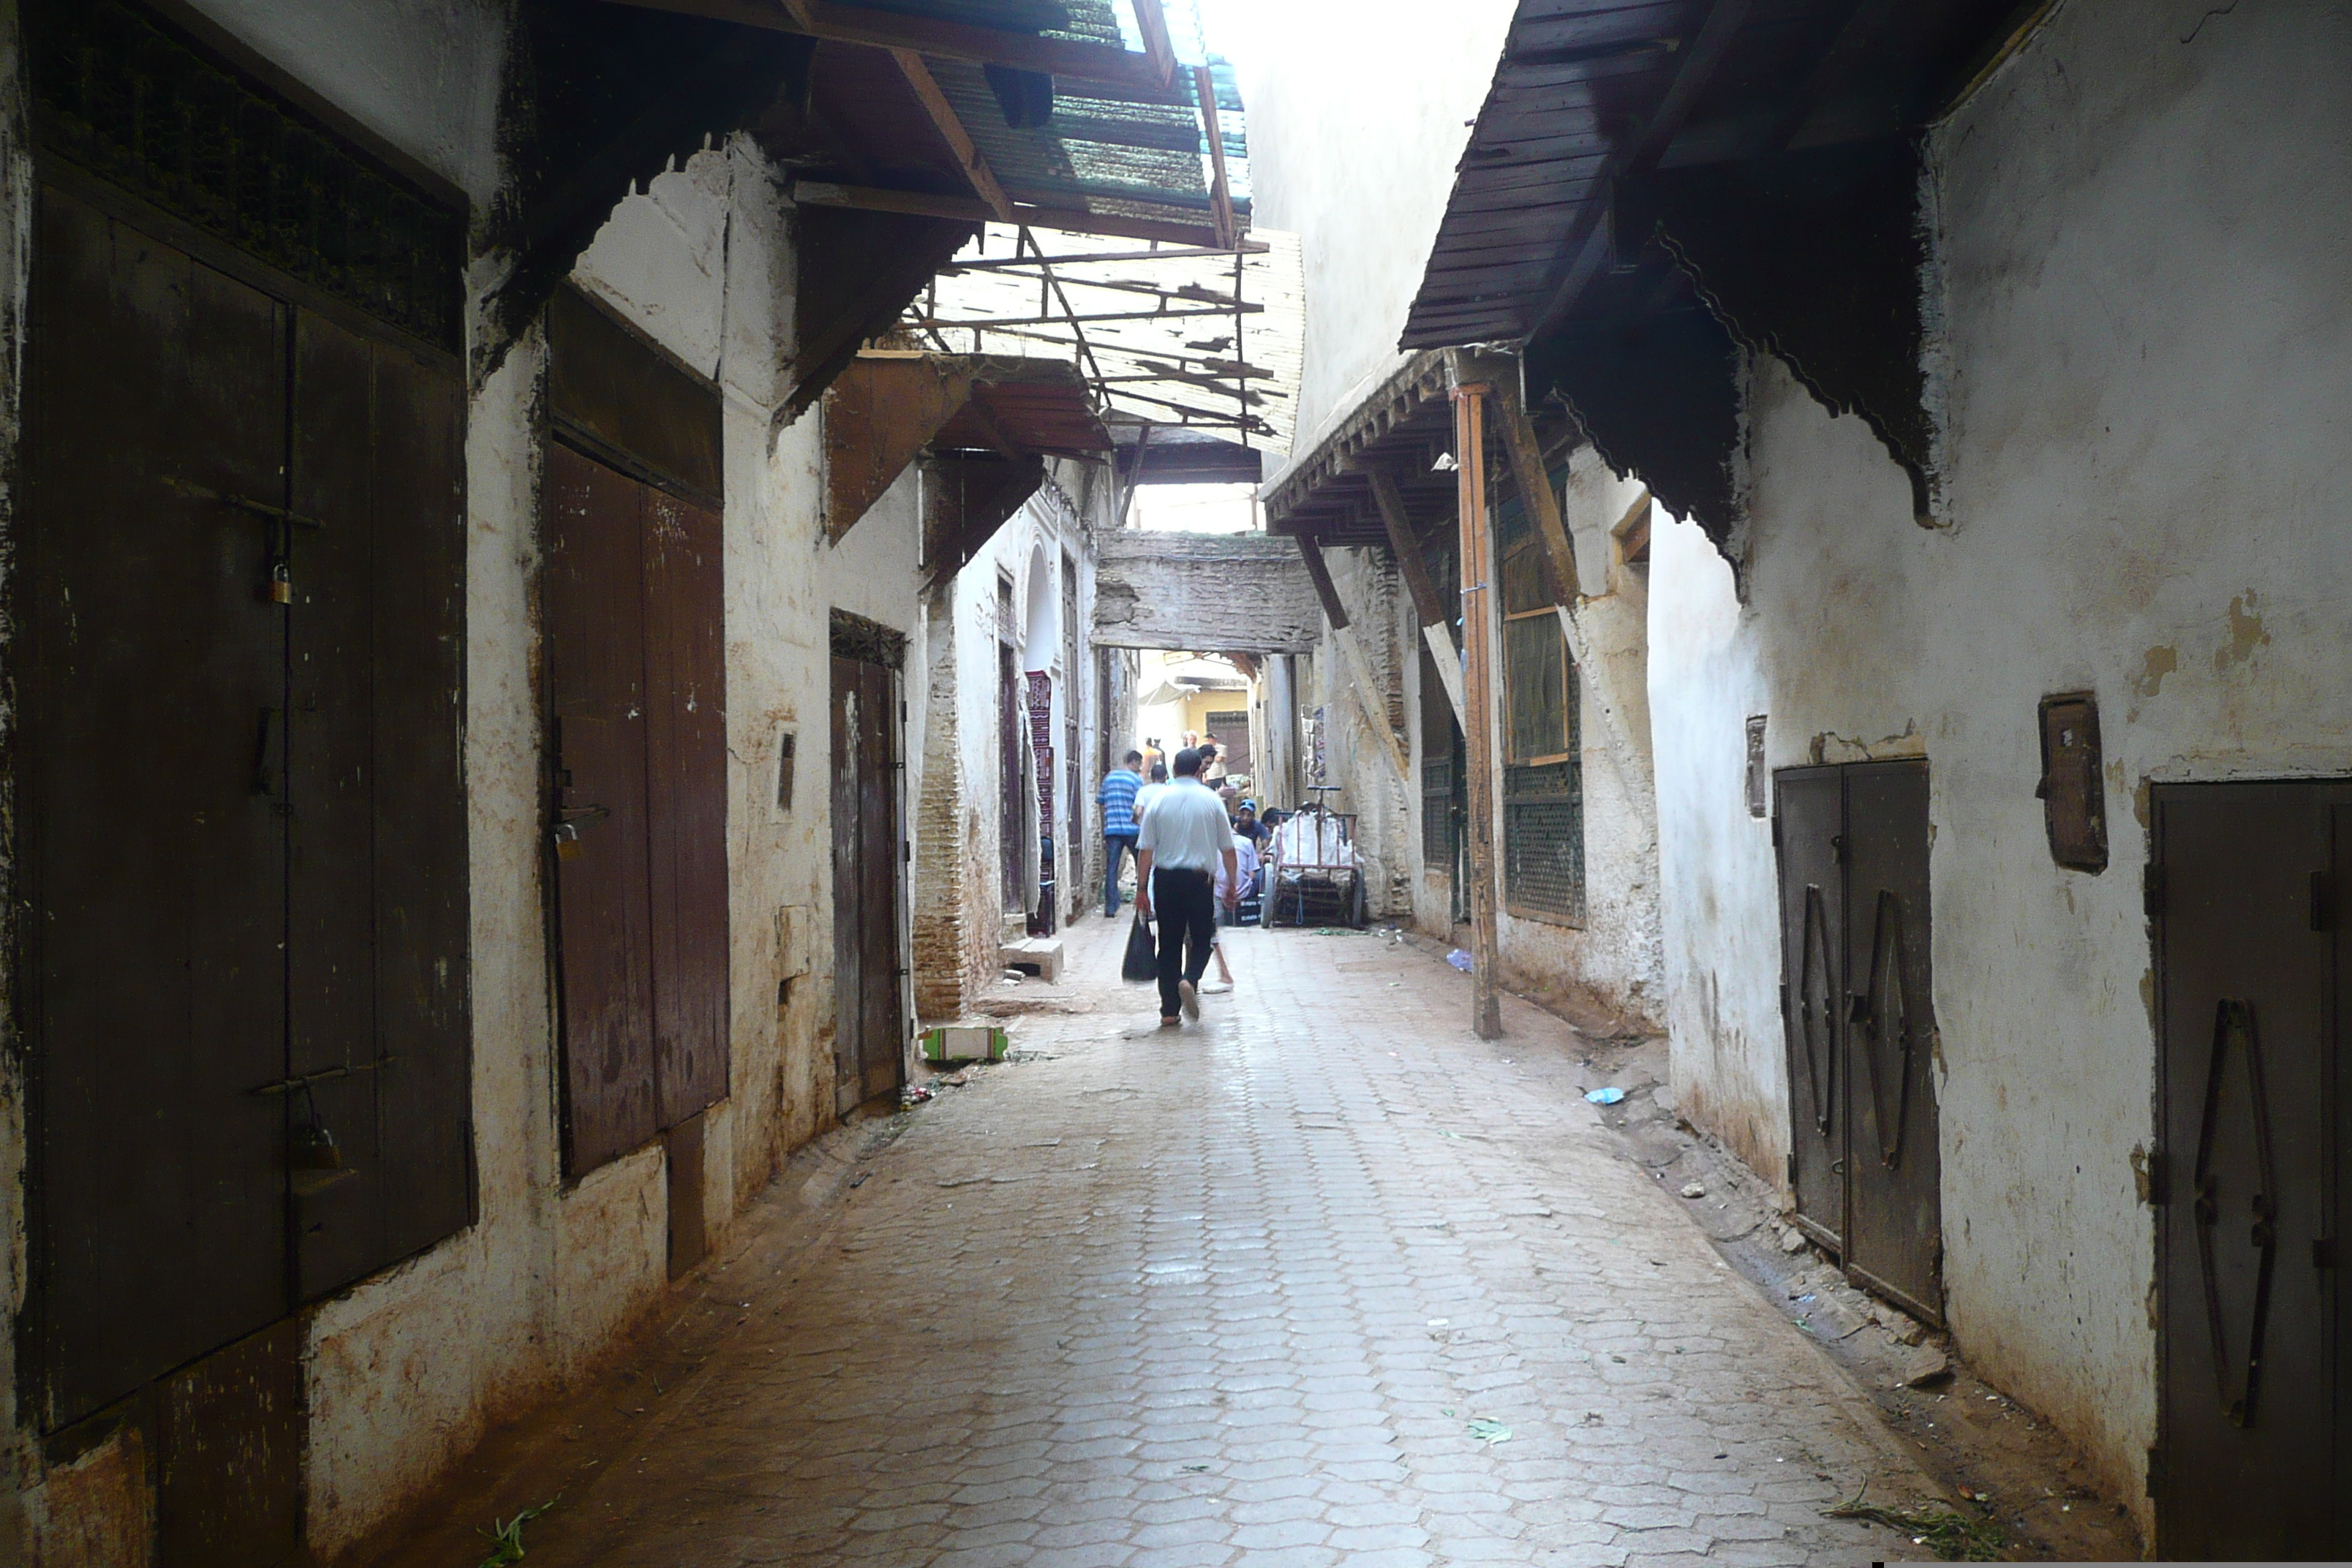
(595, 668)
(378, 943)
(155, 857)
(685, 737)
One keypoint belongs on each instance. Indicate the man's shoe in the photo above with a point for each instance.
(1170, 1023)
(1191, 998)
(1216, 987)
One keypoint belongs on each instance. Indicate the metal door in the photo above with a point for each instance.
(151, 820)
(597, 697)
(869, 1020)
(1809, 827)
(2241, 889)
(1895, 1234)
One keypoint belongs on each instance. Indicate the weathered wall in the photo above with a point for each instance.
(1213, 592)
(1356, 156)
(2143, 238)
(1387, 808)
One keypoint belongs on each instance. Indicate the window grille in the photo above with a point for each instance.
(1543, 842)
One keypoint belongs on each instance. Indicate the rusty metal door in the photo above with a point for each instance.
(1895, 1231)
(1808, 830)
(152, 824)
(594, 615)
(869, 1033)
(2244, 887)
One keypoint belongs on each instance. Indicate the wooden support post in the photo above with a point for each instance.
(1369, 702)
(1436, 615)
(1477, 696)
(1534, 483)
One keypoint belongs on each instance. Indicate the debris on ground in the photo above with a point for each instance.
(506, 1538)
(1460, 958)
(914, 1094)
(1793, 1241)
(1955, 1537)
(1489, 1432)
(1925, 1367)
(955, 1079)
(1611, 1096)
(1694, 1190)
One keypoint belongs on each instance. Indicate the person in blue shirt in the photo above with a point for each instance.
(1116, 798)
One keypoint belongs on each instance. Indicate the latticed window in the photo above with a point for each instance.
(1543, 779)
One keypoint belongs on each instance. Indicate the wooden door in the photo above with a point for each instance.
(1808, 830)
(869, 1029)
(1895, 1233)
(154, 804)
(594, 617)
(2243, 885)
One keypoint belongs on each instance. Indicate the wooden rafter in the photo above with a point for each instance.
(945, 120)
(926, 204)
(1221, 198)
(1152, 23)
(942, 39)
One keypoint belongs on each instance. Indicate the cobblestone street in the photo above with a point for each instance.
(1323, 1279)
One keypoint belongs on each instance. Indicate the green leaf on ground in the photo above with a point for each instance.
(1487, 1431)
(1955, 1537)
(506, 1538)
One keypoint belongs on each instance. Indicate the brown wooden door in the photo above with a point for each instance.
(1857, 1007)
(153, 813)
(869, 1029)
(2246, 887)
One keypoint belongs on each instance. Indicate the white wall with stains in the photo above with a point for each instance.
(2145, 239)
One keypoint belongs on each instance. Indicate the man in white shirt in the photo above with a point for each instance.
(1143, 799)
(1185, 840)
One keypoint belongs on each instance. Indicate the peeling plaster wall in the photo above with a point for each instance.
(2146, 234)
(1356, 156)
(1388, 810)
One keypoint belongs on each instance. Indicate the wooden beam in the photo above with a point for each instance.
(942, 39)
(1152, 23)
(926, 204)
(1478, 629)
(1221, 197)
(1174, 252)
(950, 129)
(985, 322)
(1318, 572)
(879, 414)
(1436, 615)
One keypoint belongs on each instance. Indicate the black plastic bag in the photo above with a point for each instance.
(1142, 962)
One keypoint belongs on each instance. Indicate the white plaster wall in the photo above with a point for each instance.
(2144, 250)
(424, 74)
(1355, 154)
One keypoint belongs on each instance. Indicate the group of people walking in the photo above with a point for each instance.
(1193, 863)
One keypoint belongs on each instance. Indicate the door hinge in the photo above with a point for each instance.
(2154, 1182)
(2151, 891)
(2322, 901)
(2155, 1472)
(1792, 1170)
(2322, 1252)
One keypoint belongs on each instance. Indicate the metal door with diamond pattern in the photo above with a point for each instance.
(1857, 1010)
(2242, 886)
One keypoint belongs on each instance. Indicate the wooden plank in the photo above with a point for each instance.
(879, 414)
(923, 204)
(937, 37)
(1436, 614)
(1221, 200)
(1319, 573)
(1152, 23)
(1479, 622)
(950, 129)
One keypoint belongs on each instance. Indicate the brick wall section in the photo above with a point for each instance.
(942, 962)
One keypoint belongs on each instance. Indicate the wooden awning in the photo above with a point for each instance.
(1404, 431)
(889, 408)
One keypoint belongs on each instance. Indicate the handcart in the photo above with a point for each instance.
(1314, 878)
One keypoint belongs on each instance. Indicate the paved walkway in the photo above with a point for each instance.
(1321, 1279)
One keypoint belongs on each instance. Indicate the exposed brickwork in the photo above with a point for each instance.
(943, 971)
(1232, 593)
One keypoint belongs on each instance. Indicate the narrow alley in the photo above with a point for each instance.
(1322, 1279)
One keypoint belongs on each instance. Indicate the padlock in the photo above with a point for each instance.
(315, 1149)
(567, 841)
(281, 584)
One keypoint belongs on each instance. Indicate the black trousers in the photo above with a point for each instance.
(1184, 902)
